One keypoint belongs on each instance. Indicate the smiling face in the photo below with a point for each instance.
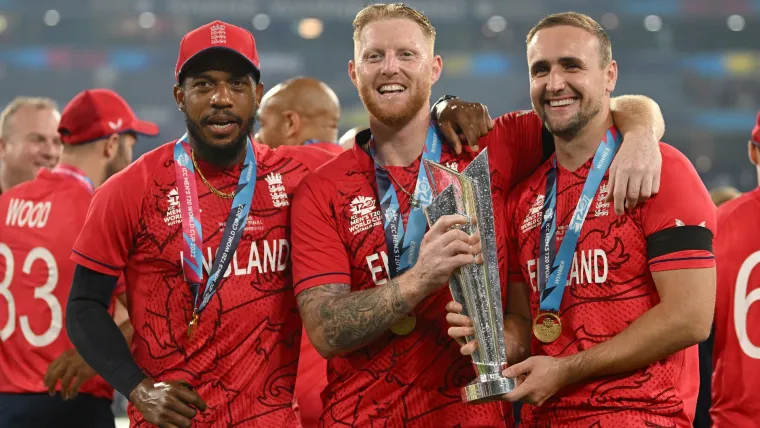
(394, 69)
(29, 141)
(219, 96)
(569, 82)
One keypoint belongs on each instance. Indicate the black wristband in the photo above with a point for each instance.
(433, 113)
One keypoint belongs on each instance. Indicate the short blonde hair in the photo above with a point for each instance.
(382, 11)
(37, 103)
(722, 195)
(577, 20)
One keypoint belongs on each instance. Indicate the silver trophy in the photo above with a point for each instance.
(475, 286)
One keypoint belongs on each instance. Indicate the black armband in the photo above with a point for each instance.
(95, 334)
(679, 238)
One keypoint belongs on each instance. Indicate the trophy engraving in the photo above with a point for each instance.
(475, 286)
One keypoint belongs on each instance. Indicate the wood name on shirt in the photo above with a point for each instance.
(31, 214)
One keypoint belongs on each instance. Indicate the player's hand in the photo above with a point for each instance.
(68, 367)
(444, 248)
(462, 122)
(167, 404)
(544, 376)
(461, 327)
(635, 174)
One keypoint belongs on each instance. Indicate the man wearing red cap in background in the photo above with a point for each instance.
(200, 228)
(42, 220)
(28, 139)
(736, 343)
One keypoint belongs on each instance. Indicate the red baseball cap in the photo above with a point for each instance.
(756, 130)
(97, 113)
(218, 35)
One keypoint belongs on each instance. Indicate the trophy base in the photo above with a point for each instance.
(483, 391)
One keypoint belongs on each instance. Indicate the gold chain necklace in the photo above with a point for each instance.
(210, 187)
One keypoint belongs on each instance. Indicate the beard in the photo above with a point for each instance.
(119, 161)
(221, 155)
(419, 95)
(575, 124)
(112, 168)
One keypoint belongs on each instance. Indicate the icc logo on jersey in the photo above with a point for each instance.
(173, 214)
(364, 214)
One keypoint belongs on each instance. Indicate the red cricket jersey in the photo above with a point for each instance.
(330, 147)
(310, 382)
(312, 368)
(39, 222)
(242, 358)
(610, 285)
(736, 351)
(338, 237)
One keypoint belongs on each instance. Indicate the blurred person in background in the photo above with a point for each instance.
(614, 348)
(736, 342)
(301, 111)
(29, 139)
(41, 219)
(370, 303)
(199, 226)
(721, 195)
(346, 140)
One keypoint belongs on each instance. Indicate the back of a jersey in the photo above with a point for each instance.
(39, 222)
(736, 353)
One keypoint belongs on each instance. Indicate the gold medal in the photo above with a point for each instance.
(547, 327)
(192, 326)
(405, 325)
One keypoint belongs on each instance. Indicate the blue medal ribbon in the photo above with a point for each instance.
(404, 244)
(191, 222)
(554, 267)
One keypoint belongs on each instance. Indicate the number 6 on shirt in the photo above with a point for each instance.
(43, 292)
(742, 302)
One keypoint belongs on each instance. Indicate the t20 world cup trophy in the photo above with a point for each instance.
(475, 286)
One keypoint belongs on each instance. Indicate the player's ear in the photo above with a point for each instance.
(179, 97)
(752, 152)
(352, 72)
(259, 93)
(111, 146)
(611, 72)
(2, 148)
(292, 123)
(437, 67)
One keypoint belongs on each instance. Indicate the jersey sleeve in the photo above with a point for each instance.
(680, 221)
(517, 145)
(121, 287)
(319, 256)
(107, 236)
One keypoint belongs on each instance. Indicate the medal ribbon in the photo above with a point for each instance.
(404, 245)
(76, 173)
(191, 222)
(554, 268)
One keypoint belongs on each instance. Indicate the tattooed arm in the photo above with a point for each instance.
(343, 321)
(339, 320)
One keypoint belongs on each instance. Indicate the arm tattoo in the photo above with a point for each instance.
(346, 320)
